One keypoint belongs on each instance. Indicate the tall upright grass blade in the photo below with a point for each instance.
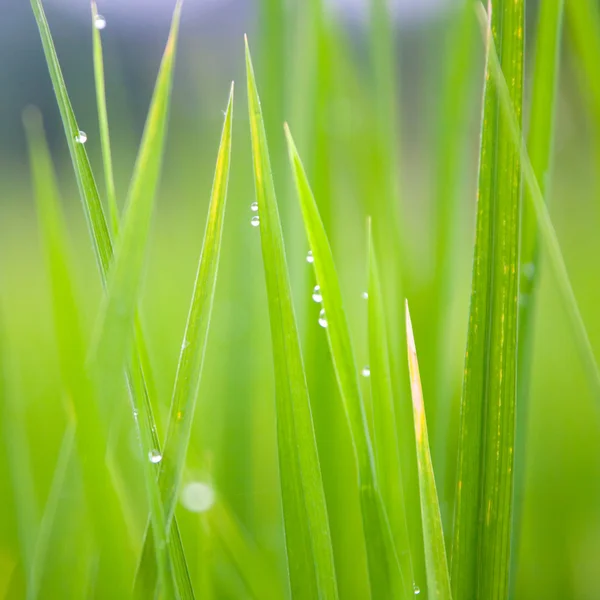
(539, 145)
(385, 438)
(385, 576)
(115, 328)
(91, 435)
(438, 577)
(483, 509)
(193, 348)
(111, 196)
(546, 230)
(308, 540)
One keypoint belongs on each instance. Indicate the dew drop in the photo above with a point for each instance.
(316, 295)
(529, 270)
(366, 372)
(322, 319)
(416, 589)
(254, 207)
(255, 221)
(365, 295)
(198, 497)
(81, 137)
(309, 257)
(155, 456)
(99, 22)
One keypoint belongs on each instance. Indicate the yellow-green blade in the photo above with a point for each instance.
(385, 436)
(193, 348)
(308, 541)
(111, 196)
(438, 577)
(483, 506)
(385, 577)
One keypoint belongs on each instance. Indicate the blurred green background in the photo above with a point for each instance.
(315, 69)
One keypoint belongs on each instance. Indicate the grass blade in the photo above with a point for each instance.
(540, 144)
(385, 438)
(308, 540)
(384, 572)
(546, 230)
(111, 196)
(438, 577)
(483, 509)
(91, 435)
(115, 330)
(193, 349)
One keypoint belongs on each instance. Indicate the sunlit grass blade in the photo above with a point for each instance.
(309, 551)
(483, 506)
(115, 329)
(193, 348)
(546, 231)
(111, 196)
(91, 435)
(258, 575)
(438, 577)
(385, 437)
(540, 145)
(385, 575)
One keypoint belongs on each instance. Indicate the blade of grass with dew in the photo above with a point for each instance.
(115, 327)
(308, 539)
(91, 435)
(483, 505)
(139, 376)
(539, 144)
(386, 577)
(257, 573)
(385, 440)
(193, 348)
(546, 231)
(438, 577)
(111, 196)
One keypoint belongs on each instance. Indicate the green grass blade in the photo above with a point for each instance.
(111, 195)
(83, 172)
(308, 540)
(115, 332)
(91, 435)
(385, 437)
(438, 577)
(539, 144)
(546, 230)
(483, 509)
(193, 349)
(384, 569)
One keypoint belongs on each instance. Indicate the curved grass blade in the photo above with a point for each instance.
(115, 332)
(139, 376)
(386, 578)
(438, 577)
(483, 509)
(111, 196)
(91, 435)
(385, 438)
(193, 348)
(308, 540)
(546, 230)
(539, 144)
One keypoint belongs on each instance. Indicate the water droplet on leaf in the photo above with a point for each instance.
(316, 295)
(81, 137)
(155, 456)
(99, 22)
(309, 257)
(322, 319)
(255, 221)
